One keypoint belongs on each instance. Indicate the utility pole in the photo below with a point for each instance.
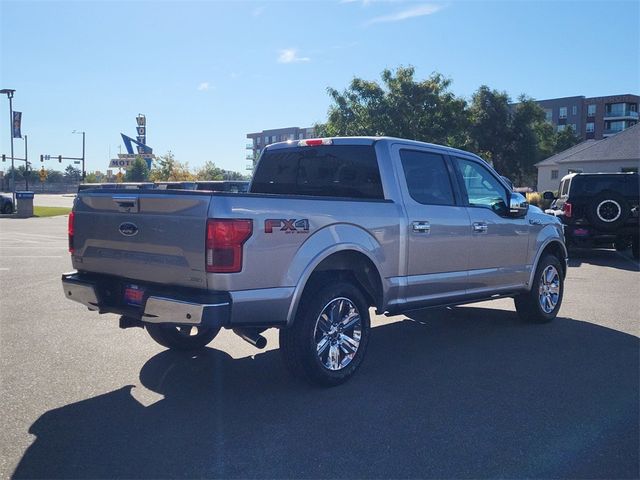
(9, 92)
(26, 164)
(84, 173)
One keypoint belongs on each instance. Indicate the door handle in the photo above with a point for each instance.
(127, 204)
(421, 227)
(480, 227)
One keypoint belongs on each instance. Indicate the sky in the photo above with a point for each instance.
(206, 73)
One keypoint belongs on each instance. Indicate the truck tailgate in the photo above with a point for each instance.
(149, 236)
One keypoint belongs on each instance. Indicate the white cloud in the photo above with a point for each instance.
(419, 11)
(290, 55)
(204, 86)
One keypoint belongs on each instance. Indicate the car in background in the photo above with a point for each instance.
(598, 209)
(6, 204)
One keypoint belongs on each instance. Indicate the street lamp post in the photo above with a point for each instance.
(9, 93)
(84, 173)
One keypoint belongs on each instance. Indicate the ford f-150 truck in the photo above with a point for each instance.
(329, 228)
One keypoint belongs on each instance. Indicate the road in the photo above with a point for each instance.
(465, 392)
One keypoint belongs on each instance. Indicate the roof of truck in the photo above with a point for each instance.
(364, 140)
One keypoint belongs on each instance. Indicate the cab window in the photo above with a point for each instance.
(427, 177)
(483, 188)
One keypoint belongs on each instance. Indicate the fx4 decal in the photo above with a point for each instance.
(286, 226)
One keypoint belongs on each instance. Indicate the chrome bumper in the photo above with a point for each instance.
(157, 309)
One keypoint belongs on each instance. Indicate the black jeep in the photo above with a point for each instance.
(598, 209)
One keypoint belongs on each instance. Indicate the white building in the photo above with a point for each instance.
(618, 153)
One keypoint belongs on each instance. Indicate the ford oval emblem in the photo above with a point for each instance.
(128, 229)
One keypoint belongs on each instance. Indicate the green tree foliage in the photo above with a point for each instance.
(513, 137)
(400, 107)
(72, 174)
(209, 171)
(167, 169)
(54, 176)
(138, 171)
(91, 178)
(566, 139)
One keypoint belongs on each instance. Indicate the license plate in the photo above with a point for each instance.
(133, 295)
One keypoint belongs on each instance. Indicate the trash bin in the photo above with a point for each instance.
(24, 204)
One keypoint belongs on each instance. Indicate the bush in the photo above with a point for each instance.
(534, 198)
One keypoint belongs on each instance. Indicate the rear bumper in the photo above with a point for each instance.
(160, 305)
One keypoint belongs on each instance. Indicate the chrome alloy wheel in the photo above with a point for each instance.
(337, 333)
(549, 289)
(609, 211)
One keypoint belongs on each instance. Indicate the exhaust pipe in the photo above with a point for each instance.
(252, 336)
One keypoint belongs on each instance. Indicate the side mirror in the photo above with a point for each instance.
(518, 205)
(549, 196)
(509, 182)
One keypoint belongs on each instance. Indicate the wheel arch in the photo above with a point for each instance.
(341, 262)
(555, 247)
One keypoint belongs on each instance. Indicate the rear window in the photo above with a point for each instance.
(329, 171)
(594, 184)
(564, 187)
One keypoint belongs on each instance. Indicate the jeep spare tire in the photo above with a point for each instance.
(608, 211)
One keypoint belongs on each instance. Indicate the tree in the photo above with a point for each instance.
(490, 125)
(54, 176)
(400, 107)
(91, 178)
(72, 174)
(138, 171)
(167, 168)
(209, 171)
(565, 139)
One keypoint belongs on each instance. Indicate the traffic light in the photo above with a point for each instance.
(41, 158)
(4, 157)
(60, 158)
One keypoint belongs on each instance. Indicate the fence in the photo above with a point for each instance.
(39, 187)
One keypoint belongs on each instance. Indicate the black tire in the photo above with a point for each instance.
(299, 343)
(182, 338)
(608, 211)
(635, 247)
(7, 208)
(533, 306)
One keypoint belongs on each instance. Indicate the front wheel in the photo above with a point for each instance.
(179, 337)
(327, 341)
(542, 303)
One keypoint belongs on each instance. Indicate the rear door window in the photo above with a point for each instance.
(328, 170)
(427, 177)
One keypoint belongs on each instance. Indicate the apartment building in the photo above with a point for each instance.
(592, 117)
(266, 137)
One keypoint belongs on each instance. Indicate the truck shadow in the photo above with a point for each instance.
(468, 392)
(603, 258)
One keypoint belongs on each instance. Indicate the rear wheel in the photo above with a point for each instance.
(327, 341)
(179, 337)
(542, 303)
(7, 208)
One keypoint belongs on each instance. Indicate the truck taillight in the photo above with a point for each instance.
(225, 238)
(71, 230)
(567, 209)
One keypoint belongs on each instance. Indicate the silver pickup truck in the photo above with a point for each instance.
(329, 228)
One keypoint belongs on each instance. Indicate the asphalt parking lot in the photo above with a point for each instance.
(459, 393)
